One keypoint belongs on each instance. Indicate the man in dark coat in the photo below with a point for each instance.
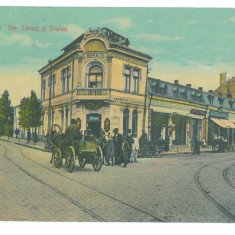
(28, 136)
(118, 140)
(196, 146)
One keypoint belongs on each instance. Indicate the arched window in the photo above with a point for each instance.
(134, 122)
(125, 121)
(95, 77)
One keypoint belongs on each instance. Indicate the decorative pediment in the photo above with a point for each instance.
(95, 45)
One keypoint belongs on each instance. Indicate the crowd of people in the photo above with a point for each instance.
(128, 143)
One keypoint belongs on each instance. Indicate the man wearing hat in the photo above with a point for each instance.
(117, 139)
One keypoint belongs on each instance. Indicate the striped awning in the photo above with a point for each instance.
(223, 123)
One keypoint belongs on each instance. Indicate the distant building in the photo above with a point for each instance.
(227, 86)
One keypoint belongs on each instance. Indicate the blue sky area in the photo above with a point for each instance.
(192, 45)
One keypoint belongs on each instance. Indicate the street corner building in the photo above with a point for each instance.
(98, 81)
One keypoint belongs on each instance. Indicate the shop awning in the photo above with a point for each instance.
(223, 123)
(228, 123)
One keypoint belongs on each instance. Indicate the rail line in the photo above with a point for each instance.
(206, 194)
(225, 175)
(85, 185)
(53, 188)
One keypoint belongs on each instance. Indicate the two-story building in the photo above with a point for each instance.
(99, 81)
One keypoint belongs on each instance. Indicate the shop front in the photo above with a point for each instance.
(220, 127)
(197, 125)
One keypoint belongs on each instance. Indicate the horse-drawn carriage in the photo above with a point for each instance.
(152, 148)
(221, 146)
(71, 145)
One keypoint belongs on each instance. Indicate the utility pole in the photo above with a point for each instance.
(71, 106)
(49, 106)
(145, 100)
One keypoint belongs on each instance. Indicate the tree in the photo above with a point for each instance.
(159, 120)
(30, 111)
(6, 114)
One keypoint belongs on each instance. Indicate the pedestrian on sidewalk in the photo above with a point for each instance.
(35, 137)
(28, 136)
(196, 146)
(17, 132)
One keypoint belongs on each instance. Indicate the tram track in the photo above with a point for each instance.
(225, 175)
(206, 193)
(80, 183)
(53, 188)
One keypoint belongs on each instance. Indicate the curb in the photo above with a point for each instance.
(45, 150)
(29, 146)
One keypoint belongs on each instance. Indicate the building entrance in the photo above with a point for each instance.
(93, 122)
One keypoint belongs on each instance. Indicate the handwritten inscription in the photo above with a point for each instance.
(37, 28)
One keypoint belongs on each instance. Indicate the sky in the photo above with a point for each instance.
(192, 45)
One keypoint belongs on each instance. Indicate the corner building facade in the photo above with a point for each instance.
(98, 81)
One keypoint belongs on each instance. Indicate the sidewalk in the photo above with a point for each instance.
(39, 145)
(184, 149)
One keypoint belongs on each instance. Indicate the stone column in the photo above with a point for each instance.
(80, 59)
(109, 58)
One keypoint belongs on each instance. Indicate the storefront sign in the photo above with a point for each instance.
(204, 130)
(198, 112)
(94, 117)
(218, 114)
(107, 124)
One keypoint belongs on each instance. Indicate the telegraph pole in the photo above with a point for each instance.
(145, 100)
(71, 106)
(49, 106)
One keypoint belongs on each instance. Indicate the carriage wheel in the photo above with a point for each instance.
(144, 151)
(82, 162)
(70, 159)
(57, 157)
(97, 163)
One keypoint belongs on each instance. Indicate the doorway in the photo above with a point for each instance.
(93, 122)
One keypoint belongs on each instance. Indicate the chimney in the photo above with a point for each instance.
(188, 85)
(222, 78)
(210, 91)
(176, 82)
(200, 88)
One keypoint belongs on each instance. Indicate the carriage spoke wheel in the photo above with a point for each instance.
(144, 151)
(98, 160)
(70, 159)
(82, 162)
(57, 157)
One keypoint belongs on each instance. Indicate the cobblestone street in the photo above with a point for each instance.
(176, 188)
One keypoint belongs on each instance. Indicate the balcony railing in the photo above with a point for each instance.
(93, 93)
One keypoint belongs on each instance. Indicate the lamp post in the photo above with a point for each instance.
(145, 99)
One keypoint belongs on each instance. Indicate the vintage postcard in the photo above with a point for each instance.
(117, 114)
